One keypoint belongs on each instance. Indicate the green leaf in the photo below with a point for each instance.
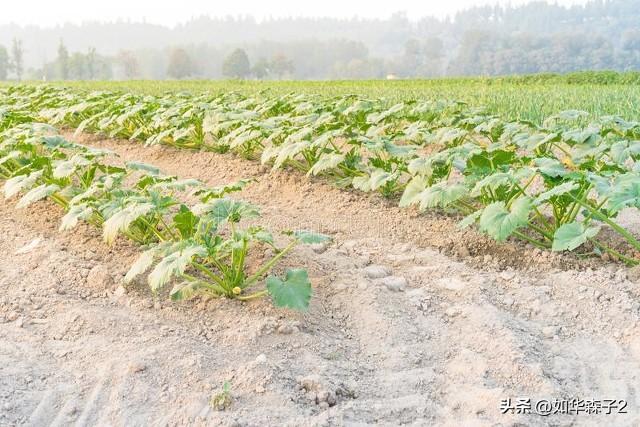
(310, 238)
(625, 193)
(441, 194)
(412, 191)
(221, 210)
(550, 167)
(21, 182)
(499, 222)
(144, 167)
(122, 219)
(570, 236)
(326, 162)
(144, 261)
(36, 194)
(556, 191)
(185, 221)
(187, 290)
(76, 213)
(294, 292)
(469, 219)
(174, 264)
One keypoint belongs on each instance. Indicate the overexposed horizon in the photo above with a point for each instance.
(54, 13)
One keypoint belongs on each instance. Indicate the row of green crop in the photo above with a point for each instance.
(205, 245)
(524, 97)
(554, 185)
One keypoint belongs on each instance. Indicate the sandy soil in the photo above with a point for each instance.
(413, 322)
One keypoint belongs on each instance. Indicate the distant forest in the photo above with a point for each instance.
(481, 41)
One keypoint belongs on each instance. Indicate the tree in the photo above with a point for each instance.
(92, 64)
(63, 61)
(180, 64)
(281, 65)
(261, 68)
(236, 65)
(129, 64)
(77, 66)
(17, 53)
(4, 63)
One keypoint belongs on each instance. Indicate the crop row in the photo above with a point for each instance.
(554, 185)
(204, 245)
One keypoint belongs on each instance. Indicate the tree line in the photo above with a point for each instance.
(482, 41)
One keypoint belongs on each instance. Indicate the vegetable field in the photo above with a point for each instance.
(554, 185)
(185, 199)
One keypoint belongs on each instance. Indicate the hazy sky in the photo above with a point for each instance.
(53, 12)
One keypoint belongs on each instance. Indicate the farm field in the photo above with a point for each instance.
(369, 253)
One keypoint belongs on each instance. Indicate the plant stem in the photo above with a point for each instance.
(270, 264)
(254, 295)
(630, 238)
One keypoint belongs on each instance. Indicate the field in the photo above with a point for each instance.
(319, 253)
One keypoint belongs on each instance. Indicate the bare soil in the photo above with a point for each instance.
(413, 322)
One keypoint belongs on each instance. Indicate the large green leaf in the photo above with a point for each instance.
(441, 195)
(556, 191)
(75, 213)
(185, 221)
(550, 167)
(310, 238)
(174, 264)
(221, 210)
(412, 192)
(19, 183)
(326, 162)
(570, 236)
(294, 292)
(122, 219)
(499, 222)
(36, 194)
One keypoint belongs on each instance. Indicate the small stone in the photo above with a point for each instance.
(136, 367)
(331, 399)
(260, 389)
(452, 311)
(120, 291)
(99, 276)
(633, 274)
(20, 322)
(451, 284)
(287, 329)
(549, 331)
(322, 396)
(363, 285)
(319, 247)
(261, 359)
(377, 271)
(12, 316)
(508, 301)
(310, 383)
(507, 275)
(462, 251)
(340, 286)
(395, 283)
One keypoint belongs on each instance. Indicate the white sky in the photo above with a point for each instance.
(54, 12)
